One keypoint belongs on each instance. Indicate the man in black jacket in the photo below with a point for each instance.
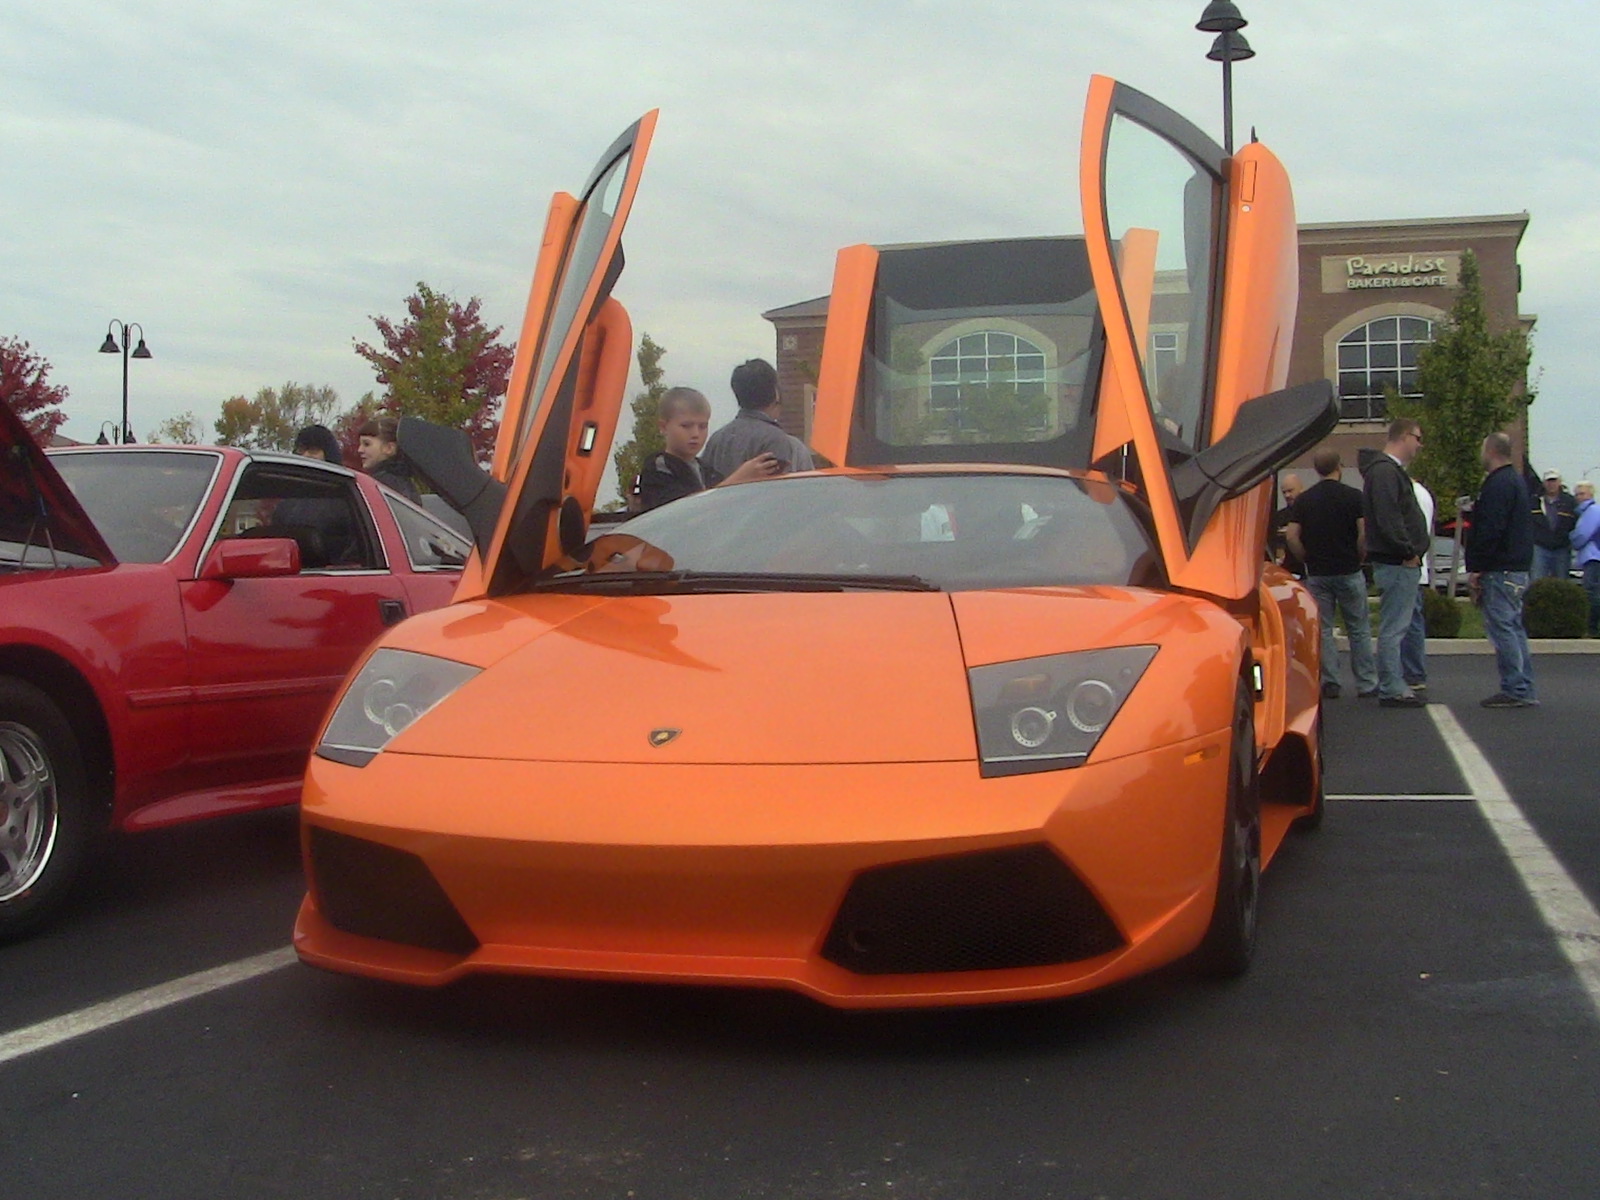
(1555, 513)
(1397, 538)
(1499, 549)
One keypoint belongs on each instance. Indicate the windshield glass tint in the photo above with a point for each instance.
(981, 343)
(956, 531)
(142, 501)
(588, 241)
(1160, 206)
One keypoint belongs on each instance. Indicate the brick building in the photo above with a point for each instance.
(1371, 293)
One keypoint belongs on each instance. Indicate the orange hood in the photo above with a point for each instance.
(867, 677)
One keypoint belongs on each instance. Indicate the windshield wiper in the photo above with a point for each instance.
(637, 583)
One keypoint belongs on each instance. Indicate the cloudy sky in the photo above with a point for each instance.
(252, 181)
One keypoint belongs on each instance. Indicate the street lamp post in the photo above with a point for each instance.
(1222, 17)
(109, 346)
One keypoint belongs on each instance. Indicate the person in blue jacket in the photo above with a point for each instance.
(1499, 553)
(1585, 538)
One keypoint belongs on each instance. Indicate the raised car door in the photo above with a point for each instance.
(1193, 256)
(568, 378)
(1153, 195)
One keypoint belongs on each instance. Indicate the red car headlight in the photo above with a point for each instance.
(1047, 714)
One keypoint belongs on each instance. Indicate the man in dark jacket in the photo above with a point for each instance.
(1555, 513)
(1499, 550)
(1397, 538)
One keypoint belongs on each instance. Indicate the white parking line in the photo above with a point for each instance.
(113, 1012)
(1563, 905)
(1400, 796)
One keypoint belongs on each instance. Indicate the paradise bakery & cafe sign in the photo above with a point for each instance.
(1357, 272)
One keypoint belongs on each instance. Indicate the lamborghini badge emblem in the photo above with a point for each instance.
(660, 737)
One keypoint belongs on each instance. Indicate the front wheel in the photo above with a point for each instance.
(1230, 940)
(44, 810)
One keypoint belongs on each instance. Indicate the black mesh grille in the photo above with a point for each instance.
(377, 891)
(1018, 907)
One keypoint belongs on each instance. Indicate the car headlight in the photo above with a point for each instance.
(1045, 714)
(394, 688)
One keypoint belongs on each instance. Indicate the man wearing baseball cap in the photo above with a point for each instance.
(1555, 512)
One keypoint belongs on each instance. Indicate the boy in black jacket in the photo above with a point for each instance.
(677, 471)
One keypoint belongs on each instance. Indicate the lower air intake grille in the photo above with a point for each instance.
(1018, 907)
(377, 891)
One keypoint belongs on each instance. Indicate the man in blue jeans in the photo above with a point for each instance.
(1499, 552)
(1397, 538)
(1324, 531)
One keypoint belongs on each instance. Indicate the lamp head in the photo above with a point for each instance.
(1221, 16)
(142, 351)
(1230, 47)
(109, 346)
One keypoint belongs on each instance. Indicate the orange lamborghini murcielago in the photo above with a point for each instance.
(1005, 703)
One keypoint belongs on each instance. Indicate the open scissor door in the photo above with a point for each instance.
(569, 375)
(1194, 259)
(1153, 204)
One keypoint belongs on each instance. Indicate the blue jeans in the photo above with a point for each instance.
(1397, 603)
(1414, 647)
(1555, 563)
(1502, 621)
(1345, 595)
(1591, 584)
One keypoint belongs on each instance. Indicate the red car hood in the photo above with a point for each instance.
(36, 506)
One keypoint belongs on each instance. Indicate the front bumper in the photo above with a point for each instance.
(861, 885)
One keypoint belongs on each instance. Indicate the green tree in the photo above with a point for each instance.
(1472, 383)
(270, 419)
(181, 430)
(442, 363)
(645, 439)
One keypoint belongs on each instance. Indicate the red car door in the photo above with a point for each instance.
(267, 654)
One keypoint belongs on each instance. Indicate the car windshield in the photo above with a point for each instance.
(955, 532)
(142, 500)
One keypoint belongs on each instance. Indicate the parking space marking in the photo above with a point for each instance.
(1419, 796)
(113, 1012)
(1565, 909)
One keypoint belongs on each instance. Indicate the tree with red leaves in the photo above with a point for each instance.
(23, 386)
(443, 364)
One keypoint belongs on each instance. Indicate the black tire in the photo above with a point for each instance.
(44, 808)
(1230, 939)
(1319, 801)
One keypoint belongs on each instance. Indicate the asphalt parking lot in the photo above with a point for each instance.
(1414, 1026)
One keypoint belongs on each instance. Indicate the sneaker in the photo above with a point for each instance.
(1501, 700)
(1417, 687)
(1330, 691)
(1372, 695)
(1408, 702)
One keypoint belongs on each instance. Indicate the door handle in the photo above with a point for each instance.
(392, 611)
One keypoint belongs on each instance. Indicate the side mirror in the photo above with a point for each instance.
(443, 456)
(1268, 433)
(251, 558)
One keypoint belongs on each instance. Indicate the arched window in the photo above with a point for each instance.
(989, 386)
(1379, 354)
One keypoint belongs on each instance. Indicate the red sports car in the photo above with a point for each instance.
(174, 621)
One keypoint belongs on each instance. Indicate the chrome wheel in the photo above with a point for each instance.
(30, 812)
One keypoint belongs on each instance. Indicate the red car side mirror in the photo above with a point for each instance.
(251, 558)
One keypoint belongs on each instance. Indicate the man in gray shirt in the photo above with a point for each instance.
(755, 430)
